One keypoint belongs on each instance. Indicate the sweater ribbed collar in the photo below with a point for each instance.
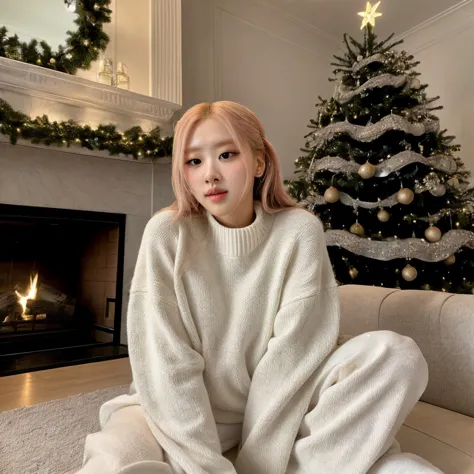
(240, 241)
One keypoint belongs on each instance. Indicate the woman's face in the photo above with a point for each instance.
(213, 160)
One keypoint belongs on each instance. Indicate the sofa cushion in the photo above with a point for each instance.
(442, 437)
(442, 324)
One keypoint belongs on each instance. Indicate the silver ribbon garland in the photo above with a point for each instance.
(379, 57)
(450, 242)
(371, 132)
(336, 164)
(350, 201)
(344, 94)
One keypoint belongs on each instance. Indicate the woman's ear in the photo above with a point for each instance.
(260, 165)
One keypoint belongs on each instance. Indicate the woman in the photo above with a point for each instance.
(232, 325)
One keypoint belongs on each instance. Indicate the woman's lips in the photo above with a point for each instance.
(217, 197)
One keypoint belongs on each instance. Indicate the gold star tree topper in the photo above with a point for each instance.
(369, 15)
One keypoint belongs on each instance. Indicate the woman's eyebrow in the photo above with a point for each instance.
(217, 145)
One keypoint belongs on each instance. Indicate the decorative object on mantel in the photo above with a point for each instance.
(133, 142)
(106, 72)
(122, 79)
(82, 46)
(108, 76)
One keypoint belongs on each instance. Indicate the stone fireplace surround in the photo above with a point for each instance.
(77, 178)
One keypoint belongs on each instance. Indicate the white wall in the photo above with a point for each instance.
(129, 33)
(248, 52)
(445, 46)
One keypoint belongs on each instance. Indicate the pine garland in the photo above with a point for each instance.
(82, 46)
(133, 142)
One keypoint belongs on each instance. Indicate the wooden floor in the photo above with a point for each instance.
(38, 387)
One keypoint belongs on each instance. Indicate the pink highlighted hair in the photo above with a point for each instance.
(245, 128)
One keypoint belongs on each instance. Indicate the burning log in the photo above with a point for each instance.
(49, 302)
(10, 306)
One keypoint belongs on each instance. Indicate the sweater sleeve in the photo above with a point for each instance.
(167, 371)
(305, 332)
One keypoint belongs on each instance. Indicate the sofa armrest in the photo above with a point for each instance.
(442, 324)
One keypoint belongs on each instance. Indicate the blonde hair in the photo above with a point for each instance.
(244, 126)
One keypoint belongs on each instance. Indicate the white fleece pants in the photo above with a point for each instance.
(364, 391)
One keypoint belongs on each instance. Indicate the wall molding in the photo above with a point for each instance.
(166, 80)
(323, 34)
(274, 22)
(455, 20)
(271, 21)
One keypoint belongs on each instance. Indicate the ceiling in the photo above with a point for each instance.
(336, 17)
(49, 19)
(40, 19)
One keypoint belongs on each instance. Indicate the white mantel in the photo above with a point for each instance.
(37, 91)
(77, 178)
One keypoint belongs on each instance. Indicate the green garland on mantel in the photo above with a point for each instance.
(82, 46)
(133, 142)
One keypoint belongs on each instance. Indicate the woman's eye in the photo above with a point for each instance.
(226, 155)
(190, 161)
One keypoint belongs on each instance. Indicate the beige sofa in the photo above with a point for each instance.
(441, 426)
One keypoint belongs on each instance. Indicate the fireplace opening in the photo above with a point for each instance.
(61, 277)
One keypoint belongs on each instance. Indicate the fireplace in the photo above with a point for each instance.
(61, 279)
(75, 316)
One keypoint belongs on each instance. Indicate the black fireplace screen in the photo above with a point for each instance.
(61, 277)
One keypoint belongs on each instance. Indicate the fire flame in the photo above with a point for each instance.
(31, 295)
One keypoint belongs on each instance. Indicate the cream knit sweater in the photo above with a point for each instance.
(226, 328)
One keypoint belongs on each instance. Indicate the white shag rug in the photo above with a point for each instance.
(49, 438)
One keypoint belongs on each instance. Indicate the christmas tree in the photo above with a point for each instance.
(383, 178)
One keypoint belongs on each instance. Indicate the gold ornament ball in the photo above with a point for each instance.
(52, 61)
(409, 273)
(450, 260)
(432, 234)
(415, 83)
(439, 190)
(367, 170)
(405, 196)
(331, 195)
(38, 61)
(426, 286)
(453, 181)
(357, 229)
(383, 215)
(353, 272)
